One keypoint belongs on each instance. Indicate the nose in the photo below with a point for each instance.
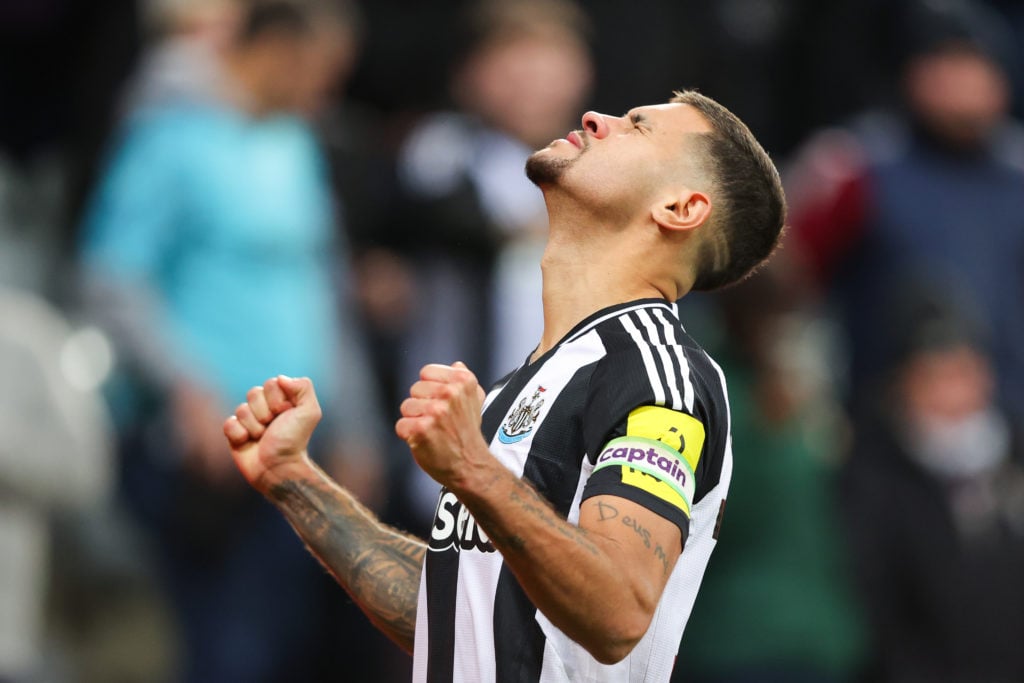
(596, 124)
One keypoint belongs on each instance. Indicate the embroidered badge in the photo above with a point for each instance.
(520, 421)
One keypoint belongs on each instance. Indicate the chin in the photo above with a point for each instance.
(545, 169)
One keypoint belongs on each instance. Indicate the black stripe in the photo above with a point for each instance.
(442, 588)
(443, 567)
(673, 360)
(619, 383)
(553, 468)
(652, 345)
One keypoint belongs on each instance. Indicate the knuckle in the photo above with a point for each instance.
(254, 393)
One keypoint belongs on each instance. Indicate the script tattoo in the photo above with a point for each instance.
(608, 512)
(659, 553)
(378, 566)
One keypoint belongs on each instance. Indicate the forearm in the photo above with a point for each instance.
(570, 574)
(377, 565)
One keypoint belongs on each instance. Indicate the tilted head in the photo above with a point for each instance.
(688, 172)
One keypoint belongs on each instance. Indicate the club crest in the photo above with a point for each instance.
(520, 421)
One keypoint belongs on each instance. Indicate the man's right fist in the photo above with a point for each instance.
(272, 428)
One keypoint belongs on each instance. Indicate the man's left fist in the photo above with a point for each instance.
(441, 422)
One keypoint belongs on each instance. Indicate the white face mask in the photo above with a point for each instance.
(962, 448)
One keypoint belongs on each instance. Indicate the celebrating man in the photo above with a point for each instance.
(572, 487)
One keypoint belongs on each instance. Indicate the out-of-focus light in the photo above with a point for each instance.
(86, 358)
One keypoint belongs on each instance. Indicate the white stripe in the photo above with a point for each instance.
(684, 366)
(617, 312)
(645, 354)
(666, 362)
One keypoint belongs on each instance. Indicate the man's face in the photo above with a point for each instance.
(959, 94)
(532, 86)
(621, 160)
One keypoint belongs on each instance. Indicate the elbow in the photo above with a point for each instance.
(615, 643)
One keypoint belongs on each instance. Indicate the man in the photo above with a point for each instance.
(555, 552)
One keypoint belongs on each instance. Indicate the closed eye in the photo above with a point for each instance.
(639, 122)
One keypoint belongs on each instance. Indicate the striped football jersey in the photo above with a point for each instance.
(627, 404)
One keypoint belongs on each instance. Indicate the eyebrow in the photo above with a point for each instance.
(637, 117)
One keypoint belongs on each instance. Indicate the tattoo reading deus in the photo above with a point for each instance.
(608, 513)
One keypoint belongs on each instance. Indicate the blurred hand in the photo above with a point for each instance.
(441, 421)
(197, 418)
(272, 428)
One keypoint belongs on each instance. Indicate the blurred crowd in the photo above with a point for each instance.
(198, 194)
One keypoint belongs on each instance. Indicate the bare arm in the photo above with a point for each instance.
(609, 572)
(600, 583)
(377, 565)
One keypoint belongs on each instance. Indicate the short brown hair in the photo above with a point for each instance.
(751, 205)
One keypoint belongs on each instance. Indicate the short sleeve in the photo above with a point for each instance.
(130, 220)
(642, 451)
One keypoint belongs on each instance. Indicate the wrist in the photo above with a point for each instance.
(294, 469)
(479, 474)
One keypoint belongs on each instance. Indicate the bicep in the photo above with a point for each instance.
(644, 544)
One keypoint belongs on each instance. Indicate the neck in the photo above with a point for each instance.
(586, 269)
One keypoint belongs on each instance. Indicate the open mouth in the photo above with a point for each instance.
(576, 139)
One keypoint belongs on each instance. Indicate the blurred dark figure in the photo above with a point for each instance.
(776, 605)
(471, 223)
(933, 189)
(215, 210)
(935, 499)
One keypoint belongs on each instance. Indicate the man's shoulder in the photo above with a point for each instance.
(654, 338)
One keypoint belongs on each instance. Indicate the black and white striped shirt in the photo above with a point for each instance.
(627, 404)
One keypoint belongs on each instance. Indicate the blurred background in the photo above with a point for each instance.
(198, 194)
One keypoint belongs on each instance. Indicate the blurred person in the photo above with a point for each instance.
(931, 188)
(184, 62)
(55, 458)
(572, 488)
(778, 607)
(480, 224)
(934, 496)
(205, 195)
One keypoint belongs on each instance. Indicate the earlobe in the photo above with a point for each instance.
(685, 211)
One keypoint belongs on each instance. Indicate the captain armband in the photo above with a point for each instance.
(658, 454)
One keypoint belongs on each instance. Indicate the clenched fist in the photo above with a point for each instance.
(441, 422)
(272, 428)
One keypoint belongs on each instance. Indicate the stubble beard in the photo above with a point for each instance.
(544, 171)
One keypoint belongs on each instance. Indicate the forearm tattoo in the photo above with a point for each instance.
(378, 566)
(526, 499)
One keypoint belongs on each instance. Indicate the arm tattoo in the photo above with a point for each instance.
(525, 498)
(378, 566)
(608, 512)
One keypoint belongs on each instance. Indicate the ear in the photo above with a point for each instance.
(686, 210)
